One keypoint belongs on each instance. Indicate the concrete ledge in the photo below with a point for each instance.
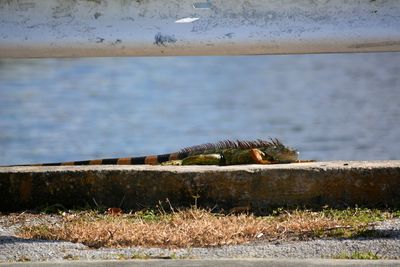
(255, 187)
(84, 28)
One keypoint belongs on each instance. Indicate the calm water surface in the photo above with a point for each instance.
(339, 106)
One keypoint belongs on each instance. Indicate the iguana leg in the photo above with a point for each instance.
(176, 162)
(256, 155)
(203, 159)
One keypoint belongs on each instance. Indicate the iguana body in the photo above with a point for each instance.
(221, 153)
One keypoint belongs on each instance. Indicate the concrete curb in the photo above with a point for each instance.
(219, 262)
(162, 28)
(246, 187)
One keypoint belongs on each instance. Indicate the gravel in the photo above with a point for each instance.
(13, 248)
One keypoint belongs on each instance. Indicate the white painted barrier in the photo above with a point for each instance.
(80, 28)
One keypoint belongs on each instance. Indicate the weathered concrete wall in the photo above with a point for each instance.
(261, 188)
(79, 28)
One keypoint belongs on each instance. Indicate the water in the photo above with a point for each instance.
(338, 106)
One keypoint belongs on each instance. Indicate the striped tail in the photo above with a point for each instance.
(150, 160)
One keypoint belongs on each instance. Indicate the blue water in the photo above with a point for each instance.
(336, 106)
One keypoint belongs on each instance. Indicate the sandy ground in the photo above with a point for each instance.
(13, 248)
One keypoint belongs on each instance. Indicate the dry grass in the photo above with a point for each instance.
(357, 255)
(199, 228)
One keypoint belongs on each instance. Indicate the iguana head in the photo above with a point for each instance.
(279, 153)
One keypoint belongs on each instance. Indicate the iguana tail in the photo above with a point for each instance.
(150, 160)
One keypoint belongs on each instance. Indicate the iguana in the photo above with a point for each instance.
(221, 153)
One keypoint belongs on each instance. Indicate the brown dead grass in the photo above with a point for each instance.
(192, 228)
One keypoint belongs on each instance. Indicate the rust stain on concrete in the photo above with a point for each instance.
(25, 189)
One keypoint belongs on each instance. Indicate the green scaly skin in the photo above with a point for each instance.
(272, 153)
